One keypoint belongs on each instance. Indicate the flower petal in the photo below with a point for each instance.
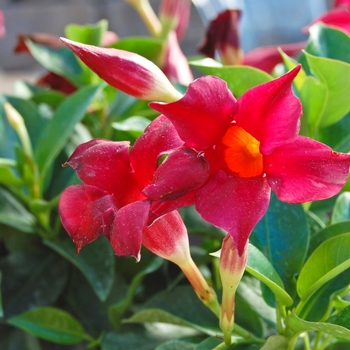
(267, 57)
(270, 112)
(234, 204)
(306, 170)
(159, 138)
(81, 209)
(203, 114)
(126, 71)
(182, 171)
(129, 223)
(167, 237)
(105, 164)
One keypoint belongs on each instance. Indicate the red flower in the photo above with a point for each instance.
(110, 200)
(250, 146)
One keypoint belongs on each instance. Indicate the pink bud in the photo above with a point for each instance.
(126, 71)
(232, 266)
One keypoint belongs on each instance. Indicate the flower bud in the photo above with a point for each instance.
(127, 71)
(232, 266)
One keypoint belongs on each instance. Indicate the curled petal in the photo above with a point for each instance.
(306, 170)
(105, 164)
(202, 116)
(234, 204)
(128, 225)
(270, 112)
(267, 57)
(81, 209)
(126, 71)
(183, 171)
(167, 237)
(160, 137)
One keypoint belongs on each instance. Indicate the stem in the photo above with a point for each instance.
(148, 16)
(205, 292)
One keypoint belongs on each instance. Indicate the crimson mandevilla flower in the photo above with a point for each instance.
(251, 147)
(110, 200)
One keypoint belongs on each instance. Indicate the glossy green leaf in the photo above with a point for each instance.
(341, 211)
(7, 174)
(116, 311)
(313, 95)
(209, 344)
(31, 279)
(341, 319)
(87, 34)
(329, 42)
(261, 268)
(176, 345)
(283, 236)
(179, 306)
(333, 75)
(14, 214)
(135, 338)
(239, 78)
(55, 134)
(62, 62)
(337, 135)
(145, 46)
(50, 97)
(134, 125)
(1, 308)
(330, 259)
(298, 325)
(276, 342)
(51, 324)
(329, 232)
(95, 261)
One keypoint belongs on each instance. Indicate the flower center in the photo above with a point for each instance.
(242, 154)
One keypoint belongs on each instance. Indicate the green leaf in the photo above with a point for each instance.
(341, 319)
(298, 325)
(147, 47)
(14, 214)
(209, 343)
(276, 342)
(329, 232)
(330, 259)
(56, 132)
(239, 78)
(329, 42)
(135, 338)
(134, 125)
(282, 241)
(1, 308)
(341, 211)
(333, 75)
(179, 306)
(116, 312)
(50, 324)
(7, 175)
(176, 345)
(95, 261)
(87, 34)
(50, 97)
(31, 279)
(62, 62)
(261, 268)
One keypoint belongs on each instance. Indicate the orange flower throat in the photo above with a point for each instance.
(242, 154)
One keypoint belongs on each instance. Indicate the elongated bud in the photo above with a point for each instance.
(232, 267)
(167, 237)
(17, 123)
(126, 71)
